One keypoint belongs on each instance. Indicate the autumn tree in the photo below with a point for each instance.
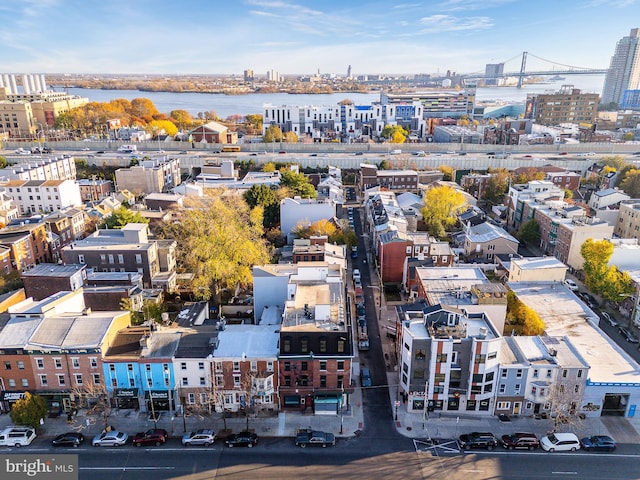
(529, 232)
(158, 127)
(254, 123)
(447, 172)
(144, 110)
(290, 137)
(181, 118)
(394, 133)
(269, 167)
(29, 410)
(122, 216)
(335, 235)
(219, 240)
(630, 184)
(521, 319)
(441, 208)
(3, 162)
(528, 174)
(272, 134)
(600, 277)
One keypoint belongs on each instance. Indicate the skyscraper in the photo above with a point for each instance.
(624, 70)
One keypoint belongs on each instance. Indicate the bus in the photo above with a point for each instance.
(231, 148)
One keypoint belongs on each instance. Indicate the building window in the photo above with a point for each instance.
(185, 382)
(287, 381)
(504, 405)
(340, 381)
(519, 373)
(112, 368)
(25, 382)
(480, 358)
(236, 380)
(323, 345)
(93, 361)
(287, 366)
(341, 344)
(43, 380)
(7, 365)
(191, 398)
(503, 374)
(579, 373)
(254, 366)
(20, 365)
(286, 345)
(97, 379)
(138, 258)
(62, 380)
(218, 366)
(132, 382)
(492, 355)
(78, 377)
(340, 365)
(75, 361)
(441, 358)
(564, 373)
(304, 344)
(130, 367)
(202, 381)
(503, 388)
(200, 365)
(219, 380)
(81, 259)
(270, 366)
(304, 366)
(548, 373)
(323, 381)
(203, 398)
(40, 363)
(516, 388)
(12, 382)
(323, 365)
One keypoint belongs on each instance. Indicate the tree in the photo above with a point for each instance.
(219, 241)
(269, 167)
(264, 196)
(122, 216)
(441, 207)
(529, 232)
(600, 277)
(157, 127)
(254, 122)
(182, 119)
(290, 137)
(398, 137)
(497, 186)
(29, 410)
(273, 133)
(565, 396)
(447, 172)
(389, 132)
(3, 162)
(298, 183)
(568, 194)
(631, 183)
(520, 319)
(384, 165)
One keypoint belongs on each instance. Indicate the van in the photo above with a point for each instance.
(560, 442)
(17, 436)
(127, 149)
(396, 151)
(356, 275)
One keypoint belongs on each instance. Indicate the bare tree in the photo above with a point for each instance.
(94, 397)
(565, 397)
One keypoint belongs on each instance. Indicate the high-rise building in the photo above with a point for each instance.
(349, 72)
(493, 73)
(624, 69)
(248, 75)
(273, 76)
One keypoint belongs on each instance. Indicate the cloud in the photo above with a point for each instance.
(613, 3)
(448, 23)
(467, 5)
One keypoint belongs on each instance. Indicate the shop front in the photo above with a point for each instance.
(125, 398)
(7, 399)
(160, 399)
(58, 402)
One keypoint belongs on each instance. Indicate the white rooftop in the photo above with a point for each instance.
(564, 314)
(248, 341)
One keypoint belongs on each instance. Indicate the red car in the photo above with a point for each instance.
(155, 436)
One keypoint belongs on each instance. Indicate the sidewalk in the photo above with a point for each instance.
(283, 424)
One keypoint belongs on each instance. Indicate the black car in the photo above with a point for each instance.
(242, 439)
(598, 442)
(478, 440)
(526, 441)
(628, 335)
(69, 439)
(590, 300)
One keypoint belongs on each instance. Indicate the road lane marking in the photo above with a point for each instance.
(564, 473)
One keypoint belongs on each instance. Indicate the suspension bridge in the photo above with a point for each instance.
(563, 69)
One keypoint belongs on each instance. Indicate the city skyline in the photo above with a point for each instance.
(304, 37)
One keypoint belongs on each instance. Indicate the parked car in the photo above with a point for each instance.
(113, 438)
(560, 442)
(68, 439)
(242, 439)
(598, 442)
(609, 319)
(315, 439)
(365, 377)
(155, 436)
(17, 436)
(590, 300)
(527, 441)
(571, 285)
(628, 335)
(478, 440)
(203, 436)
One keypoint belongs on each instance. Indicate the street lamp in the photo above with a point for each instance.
(167, 374)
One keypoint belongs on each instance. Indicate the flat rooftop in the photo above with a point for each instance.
(564, 314)
(248, 341)
(450, 285)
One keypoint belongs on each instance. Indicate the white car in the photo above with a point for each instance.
(571, 285)
(560, 442)
(114, 438)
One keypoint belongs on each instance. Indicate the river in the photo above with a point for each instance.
(227, 105)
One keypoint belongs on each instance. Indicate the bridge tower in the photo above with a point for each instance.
(523, 65)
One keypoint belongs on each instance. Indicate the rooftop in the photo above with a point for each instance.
(248, 341)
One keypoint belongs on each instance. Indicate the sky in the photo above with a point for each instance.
(307, 36)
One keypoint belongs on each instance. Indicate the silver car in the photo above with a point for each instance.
(204, 437)
(114, 438)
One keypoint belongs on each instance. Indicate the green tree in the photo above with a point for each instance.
(394, 133)
(264, 196)
(631, 183)
(3, 162)
(254, 122)
(219, 240)
(121, 216)
(269, 167)
(298, 183)
(529, 232)
(29, 410)
(568, 194)
(497, 186)
(596, 254)
(384, 165)
(272, 134)
(441, 208)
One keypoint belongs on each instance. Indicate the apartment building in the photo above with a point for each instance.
(47, 279)
(449, 360)
(537, 190)
(29, 243)
(42, 196)
(316, 348)
(568, 105)
(156, 175)
(624, 69)
(52, 168)
(484, 241)
(298, 211)
(628, 224)
(126, 250)
(94, 190)
(55, 347)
